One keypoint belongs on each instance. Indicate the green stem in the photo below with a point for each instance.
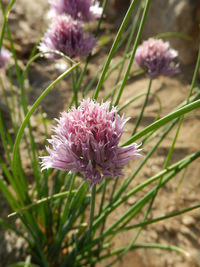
(20, 80)
(143, 107)
(133, 27)
(78, 85)
(103, 192)
(157, 133)
(159, 182)
(74, 80)
(72, 178)
(139, 33)
(131, 100)
(154, 126)
(152, 150)
(150, 245)
(131, 35)
(194, 78)
(168, 156)
(162, 218)
(173, 34)
(5, 20)
(138, 206)
(41, 54)
(30, 112)
(92, 205)
(43, 200)
(184, 162)
(166, 162)
(4, 139)
(114, 48)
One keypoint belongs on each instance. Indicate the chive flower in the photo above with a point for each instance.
(84, 10)
(157, 57)
(86, 140)
(4, 57)
(67, 36)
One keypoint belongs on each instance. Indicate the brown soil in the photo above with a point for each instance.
(183, 191)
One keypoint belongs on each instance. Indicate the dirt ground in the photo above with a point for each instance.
(27, 23)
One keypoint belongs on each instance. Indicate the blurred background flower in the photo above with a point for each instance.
(67, 36)
(157, 57)
(84, 10)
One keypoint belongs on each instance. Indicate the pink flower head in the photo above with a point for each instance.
(84, 10)
(67, 36)
(86, 140)
(4, 56)
(157, 57)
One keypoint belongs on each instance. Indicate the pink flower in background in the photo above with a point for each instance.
(4, 57)
(84, 10)
(86, 140)
(67, 36)
(157, 57)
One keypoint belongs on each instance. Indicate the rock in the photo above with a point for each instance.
(195, 255)
(131, 200)
(180, 16)
(159, 228)
(183, 240)
(172, 227)
(188, 220)
(185, 230)
(153, 235)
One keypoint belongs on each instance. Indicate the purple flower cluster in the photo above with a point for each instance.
(86, 140)
(84, 10)
(67, 36)
(65, 33)
(157, 57)
(4, 56)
